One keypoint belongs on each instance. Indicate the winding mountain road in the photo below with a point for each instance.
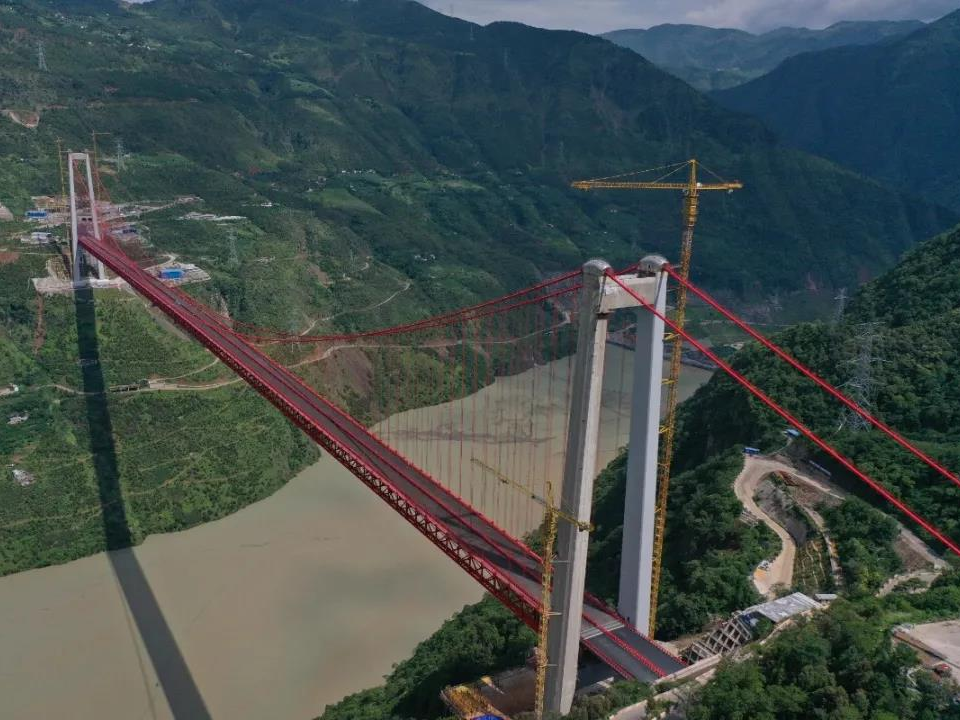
(780, 570)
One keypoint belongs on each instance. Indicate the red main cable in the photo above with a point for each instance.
(796, 364)
(427, 324)
(443, 320)
(770, 403)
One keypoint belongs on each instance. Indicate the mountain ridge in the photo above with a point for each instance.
(889, 111)
(716, 58)
(378, 86)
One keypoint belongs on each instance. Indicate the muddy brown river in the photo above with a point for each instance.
(273, 612)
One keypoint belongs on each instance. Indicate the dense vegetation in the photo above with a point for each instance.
(840, 665)
(111, 468)
(916, 314)
(709, 553)
(889, 110)
(717, 58)
(864, 537)
(480, 639)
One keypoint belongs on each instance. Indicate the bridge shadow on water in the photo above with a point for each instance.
(171, 668)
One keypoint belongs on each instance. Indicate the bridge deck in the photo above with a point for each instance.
(503, 565)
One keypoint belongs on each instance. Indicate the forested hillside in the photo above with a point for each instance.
(914, 316)
(710, 553)
(915, 311)
(888, 110)
(717, 58)
(841, 664)
(402, 132)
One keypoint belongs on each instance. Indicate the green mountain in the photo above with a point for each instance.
(717, 58)
(915, 315)
(377, 150)
(889, 110)
(915, 312)
(408, 133)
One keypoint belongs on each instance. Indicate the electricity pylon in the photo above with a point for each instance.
(860, 386)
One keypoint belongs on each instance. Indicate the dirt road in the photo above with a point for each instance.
(756, 468)
(780, 570)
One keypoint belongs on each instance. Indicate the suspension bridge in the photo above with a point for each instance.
(553, 335)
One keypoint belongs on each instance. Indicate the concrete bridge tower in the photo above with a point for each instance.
(74, 158)
(599, 297)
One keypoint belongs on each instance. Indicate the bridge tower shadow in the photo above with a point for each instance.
(182, 694)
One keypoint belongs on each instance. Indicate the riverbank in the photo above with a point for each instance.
(275, 611)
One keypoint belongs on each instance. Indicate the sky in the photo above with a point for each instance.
(754, 15)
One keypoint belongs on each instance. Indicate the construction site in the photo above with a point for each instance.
(52, 218)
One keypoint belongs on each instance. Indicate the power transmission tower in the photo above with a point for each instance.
(234, 258)
(41, 57)
(119, 154)
(860, 386)
(841, 299)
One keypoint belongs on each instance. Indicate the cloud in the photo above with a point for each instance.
(755, 15)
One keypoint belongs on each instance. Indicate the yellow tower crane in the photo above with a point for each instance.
(691, 199)
(552, 516)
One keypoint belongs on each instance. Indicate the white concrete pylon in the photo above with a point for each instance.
(640, 500)
(94, 215)
(72, 159)
(599, 297)
(563, 637)
(74, 230)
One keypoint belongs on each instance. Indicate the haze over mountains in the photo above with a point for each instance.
(716, 58)
(890, 110)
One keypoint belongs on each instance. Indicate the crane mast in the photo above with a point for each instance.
(552, 517)
(691, 201)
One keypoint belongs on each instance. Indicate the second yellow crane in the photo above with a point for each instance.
(691, 189)
(552, 515)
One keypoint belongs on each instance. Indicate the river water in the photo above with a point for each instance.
(273, 612)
